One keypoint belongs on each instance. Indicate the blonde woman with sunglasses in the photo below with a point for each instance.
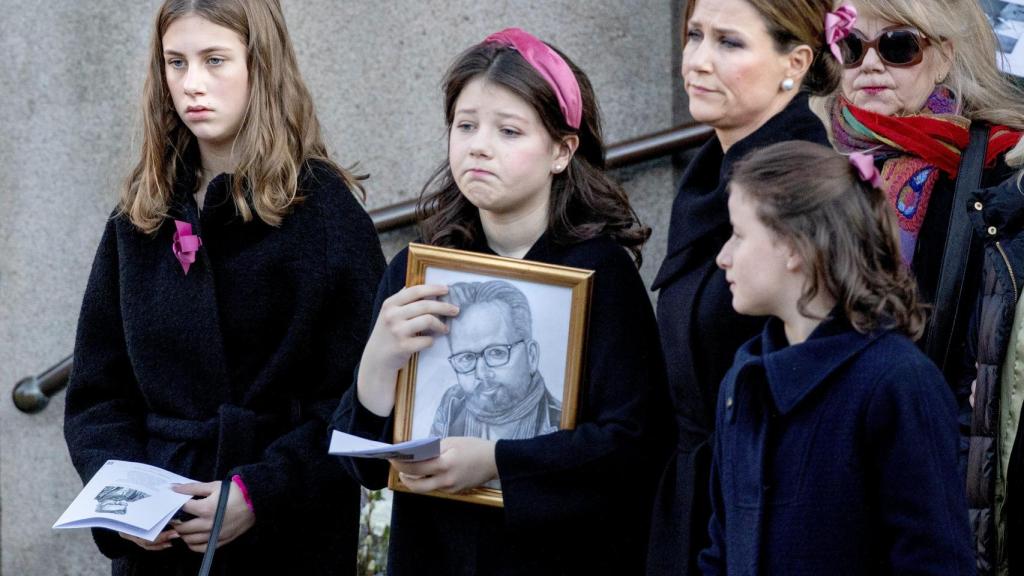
(918, 74)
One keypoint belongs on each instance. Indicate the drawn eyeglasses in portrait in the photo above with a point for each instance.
(495, 356)
(510, 365)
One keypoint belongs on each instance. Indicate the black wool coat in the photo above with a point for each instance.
(836, 456)
(700, 332)
(576, 501)
(233, 368)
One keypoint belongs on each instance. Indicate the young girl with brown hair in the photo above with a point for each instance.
(524, 178)
(836, 439)
(227, 305)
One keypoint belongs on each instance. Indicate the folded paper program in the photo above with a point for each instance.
(414, 450)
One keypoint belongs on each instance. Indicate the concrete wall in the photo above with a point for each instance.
(72, 75)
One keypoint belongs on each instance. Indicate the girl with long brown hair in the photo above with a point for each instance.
(524, 179)
(228, 301)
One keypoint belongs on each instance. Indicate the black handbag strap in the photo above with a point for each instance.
(218, 519)
(950, 304)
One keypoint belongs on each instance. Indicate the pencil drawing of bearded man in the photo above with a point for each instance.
(500, 392)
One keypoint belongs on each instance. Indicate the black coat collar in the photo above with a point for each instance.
(218, 205)
(543, 249)
(700, 209)
(793, 372)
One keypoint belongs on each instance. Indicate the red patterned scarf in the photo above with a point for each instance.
(914, 151)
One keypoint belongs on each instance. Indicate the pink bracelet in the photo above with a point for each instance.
(245, 493)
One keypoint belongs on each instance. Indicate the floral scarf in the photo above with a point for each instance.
(914, 152)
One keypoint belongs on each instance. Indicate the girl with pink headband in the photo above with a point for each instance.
(524, 178)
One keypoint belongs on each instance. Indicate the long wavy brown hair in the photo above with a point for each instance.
(843, 229)
(585, 202)
(278, 134)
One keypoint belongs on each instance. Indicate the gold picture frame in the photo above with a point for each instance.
(562, 292)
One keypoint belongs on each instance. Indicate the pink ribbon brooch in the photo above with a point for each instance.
(185, 244)
(838, 25)
(866, 169)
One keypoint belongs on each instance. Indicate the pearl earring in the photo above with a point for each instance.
(788, 84)
(558, 168)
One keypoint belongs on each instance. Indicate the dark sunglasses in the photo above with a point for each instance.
(898, 46)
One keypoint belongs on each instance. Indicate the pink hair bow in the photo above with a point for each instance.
(866, 169)
(838, 25)
(185, 244)
(551, 66)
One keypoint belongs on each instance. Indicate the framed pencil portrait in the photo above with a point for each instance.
(511, 364)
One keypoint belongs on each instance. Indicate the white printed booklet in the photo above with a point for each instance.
(127, 497)
(343, 444)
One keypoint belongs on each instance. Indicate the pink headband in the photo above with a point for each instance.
(838, 25)
(866, 169)
(550, 66)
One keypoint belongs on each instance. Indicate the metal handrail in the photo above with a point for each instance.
(33, 393)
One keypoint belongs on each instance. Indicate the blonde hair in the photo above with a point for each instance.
(983, 92)
(278, 133)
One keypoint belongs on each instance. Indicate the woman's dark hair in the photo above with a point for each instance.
(585, 202)
(790, 24)
(843, 229)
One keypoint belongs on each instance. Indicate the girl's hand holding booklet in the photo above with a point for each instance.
(127, 497)
(137, 499)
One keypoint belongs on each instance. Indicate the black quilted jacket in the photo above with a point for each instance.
(997, 214)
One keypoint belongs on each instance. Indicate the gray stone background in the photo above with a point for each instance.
(72, 76)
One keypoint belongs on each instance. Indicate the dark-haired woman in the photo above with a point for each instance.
(748, 66)
(524, 179)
